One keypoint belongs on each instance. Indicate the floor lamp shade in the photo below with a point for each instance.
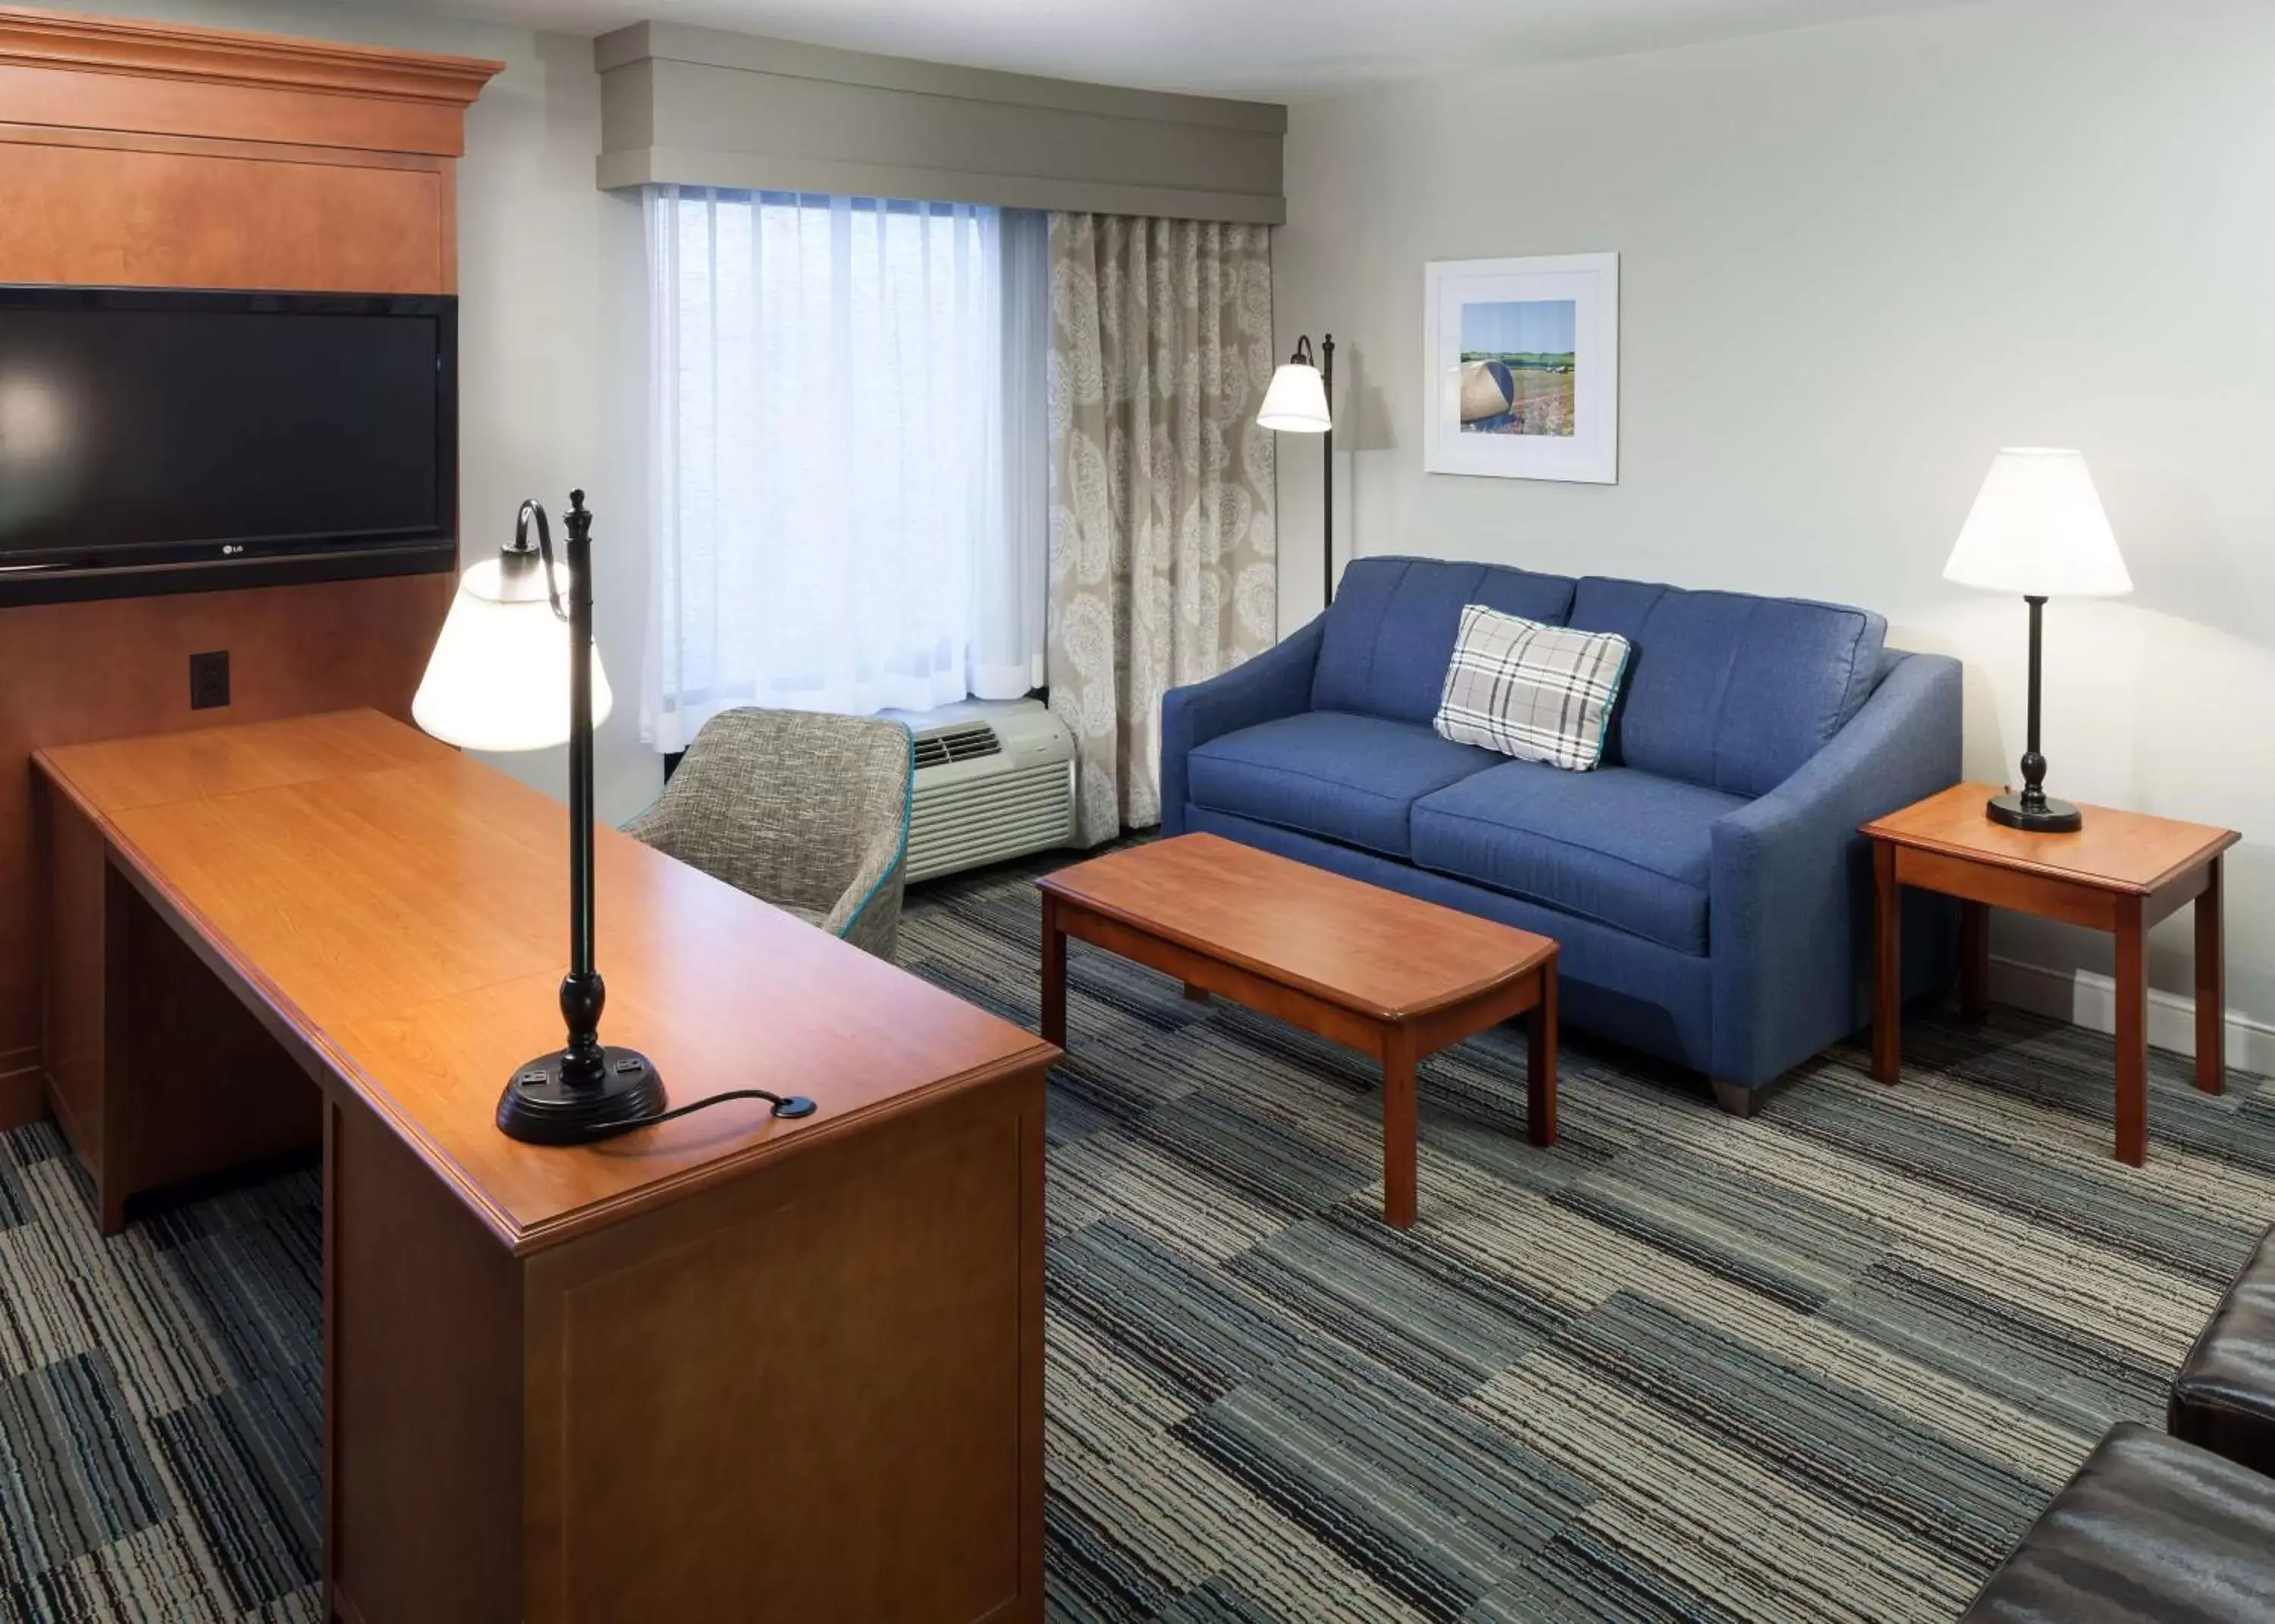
(2037, 529)
(1297, 403)
(499, 676)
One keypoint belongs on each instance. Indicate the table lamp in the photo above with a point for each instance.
(2037, 528)
(515, 670)
(1297, 404)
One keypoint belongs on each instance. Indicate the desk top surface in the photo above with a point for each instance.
(404, 910)
(2116, 850)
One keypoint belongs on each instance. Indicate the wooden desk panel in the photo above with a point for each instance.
(570, 1384)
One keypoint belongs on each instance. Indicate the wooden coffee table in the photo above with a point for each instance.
(2123, 872)
(1388, 975)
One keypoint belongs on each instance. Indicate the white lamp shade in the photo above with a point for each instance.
(2037, 529)
(1297, 403)
(498, 678)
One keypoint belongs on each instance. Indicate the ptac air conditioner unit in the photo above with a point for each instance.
(993, 781)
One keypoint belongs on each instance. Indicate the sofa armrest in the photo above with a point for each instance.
(1791, 902)
(1277, 682)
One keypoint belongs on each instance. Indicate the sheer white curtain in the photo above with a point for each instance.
(839, 520)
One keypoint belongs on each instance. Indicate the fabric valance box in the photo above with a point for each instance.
(703, 107)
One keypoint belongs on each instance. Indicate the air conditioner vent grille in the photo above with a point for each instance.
(952, 744)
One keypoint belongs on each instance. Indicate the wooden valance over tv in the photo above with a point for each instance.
(144, 154)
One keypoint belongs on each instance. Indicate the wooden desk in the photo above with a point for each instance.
(2123, 872)
(730, 1368)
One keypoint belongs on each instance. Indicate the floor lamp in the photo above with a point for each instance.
(1297, 404)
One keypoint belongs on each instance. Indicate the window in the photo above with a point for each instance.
(848, 454)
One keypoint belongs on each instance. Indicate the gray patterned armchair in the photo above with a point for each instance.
(805, 811)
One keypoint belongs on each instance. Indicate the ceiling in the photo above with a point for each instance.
(1271, 50)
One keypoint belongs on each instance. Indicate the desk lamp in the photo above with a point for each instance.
(2037, 528)
(515, 670)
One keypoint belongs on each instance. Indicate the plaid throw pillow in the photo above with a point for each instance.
(1539, 693)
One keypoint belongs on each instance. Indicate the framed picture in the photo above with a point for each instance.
(1522, 359)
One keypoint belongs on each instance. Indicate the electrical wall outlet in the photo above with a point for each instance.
(209, 680)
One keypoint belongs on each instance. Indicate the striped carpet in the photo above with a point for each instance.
(1823, 1366)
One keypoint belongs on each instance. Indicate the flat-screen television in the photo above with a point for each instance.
(160, 439)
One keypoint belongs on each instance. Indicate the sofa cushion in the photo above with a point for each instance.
(1617, 846)
(1728, 691)
(1345, 778)
(1390, 632)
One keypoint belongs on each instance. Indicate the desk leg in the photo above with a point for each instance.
(1541, 1063)
(2211, 986)
(1053, 1021)
(1974, 960)
(2132, 1033)
(1888, 1006)
(1398, 1127)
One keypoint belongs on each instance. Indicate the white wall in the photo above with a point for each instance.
(1855, 261)
(551, 325)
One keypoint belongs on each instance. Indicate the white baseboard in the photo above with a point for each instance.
(2088, 1000)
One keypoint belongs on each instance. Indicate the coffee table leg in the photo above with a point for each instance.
(2132, 1034)
(2211, 987)
(1540, 1063)
(1398, 1128)
(1054, 975)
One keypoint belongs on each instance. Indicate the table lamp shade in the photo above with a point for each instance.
(2037, 530)
(1297, 403)
(499, 676)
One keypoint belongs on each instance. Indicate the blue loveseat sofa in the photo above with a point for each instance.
(1707, 885)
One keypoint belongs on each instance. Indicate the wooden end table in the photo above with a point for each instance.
(2123, 872)
(1387, 974)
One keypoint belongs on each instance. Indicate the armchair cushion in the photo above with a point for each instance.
(1345, 778)
(1617, 846)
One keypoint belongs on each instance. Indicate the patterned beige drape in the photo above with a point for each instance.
(1162, 544)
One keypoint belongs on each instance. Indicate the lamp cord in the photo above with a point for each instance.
(788, 1107)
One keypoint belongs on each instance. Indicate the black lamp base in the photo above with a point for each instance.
(539, 1108)
(2043, 816)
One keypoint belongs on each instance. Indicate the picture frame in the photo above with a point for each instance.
(1522, 367)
